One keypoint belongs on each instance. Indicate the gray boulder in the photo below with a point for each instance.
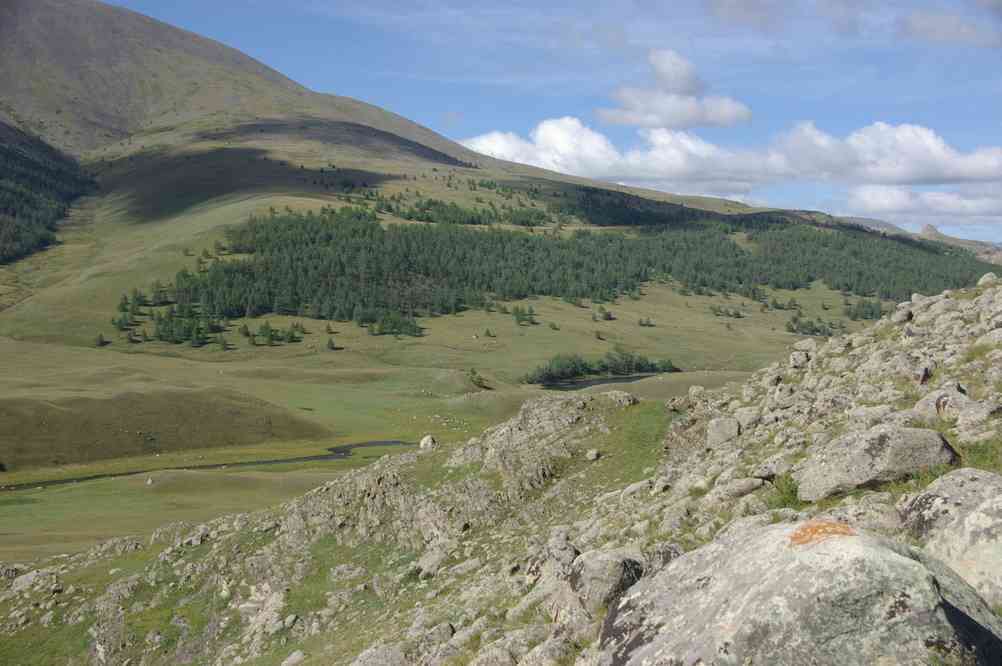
(621, 398)
(295, 658)
(722, 430)
(943, 404)
(799, 359)
(862, 459)
(804, 593)
(988, 280)
(599, 577)
(958, 518)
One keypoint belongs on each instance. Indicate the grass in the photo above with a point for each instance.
(785, 494)
(69, 518)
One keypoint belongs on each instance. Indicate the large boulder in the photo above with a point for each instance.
(722, 430)
(804, 593)
(958, 518)
(599, 577)
(863, 459)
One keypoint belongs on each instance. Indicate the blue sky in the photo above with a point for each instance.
(880, 109)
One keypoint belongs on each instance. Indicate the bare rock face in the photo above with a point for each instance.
(882, 453)
(812, 592)
(382, 655)
(958, 518)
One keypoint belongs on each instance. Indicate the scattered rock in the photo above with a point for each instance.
(988, 280)
(427, 443)
(593, 455)
(621, 398)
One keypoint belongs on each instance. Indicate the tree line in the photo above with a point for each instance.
(617, 362)
(37, 185)
(341, 264)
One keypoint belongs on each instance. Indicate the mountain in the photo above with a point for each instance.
(991, 252)
(83, 74)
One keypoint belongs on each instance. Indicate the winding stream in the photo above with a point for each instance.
(339, 452)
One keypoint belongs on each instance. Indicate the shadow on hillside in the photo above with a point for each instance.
(377, 143)
(159, 185)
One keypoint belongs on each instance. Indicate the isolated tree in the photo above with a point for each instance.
(99, 341)
(330, 345)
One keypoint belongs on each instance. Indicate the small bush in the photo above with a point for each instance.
(785, 495)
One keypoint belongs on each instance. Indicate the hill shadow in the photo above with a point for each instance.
(156, 185)
(378, 143)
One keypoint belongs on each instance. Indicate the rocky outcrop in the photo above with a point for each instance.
(804, 593)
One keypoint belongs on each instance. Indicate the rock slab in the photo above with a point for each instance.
(861, 459)
(811, 592)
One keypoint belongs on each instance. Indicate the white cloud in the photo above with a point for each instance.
(876, 154)
(561, 144)
(890, 154)
(674, 73)
(880, 163)
(675, 102)
(892, 201)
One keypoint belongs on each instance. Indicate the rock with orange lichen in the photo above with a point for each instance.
(814, 592)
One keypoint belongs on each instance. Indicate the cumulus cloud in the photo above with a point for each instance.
(675, 102)
(562, 144)
(901, 203)
(889, 154)
(877, 161)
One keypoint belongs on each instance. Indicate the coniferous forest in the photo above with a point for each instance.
(37, 184)
(344, 265)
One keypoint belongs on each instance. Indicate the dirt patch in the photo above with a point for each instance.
(40, 432)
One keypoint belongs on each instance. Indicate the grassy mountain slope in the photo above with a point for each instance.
(83, 74)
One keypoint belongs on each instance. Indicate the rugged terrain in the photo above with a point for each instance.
(839, 507)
